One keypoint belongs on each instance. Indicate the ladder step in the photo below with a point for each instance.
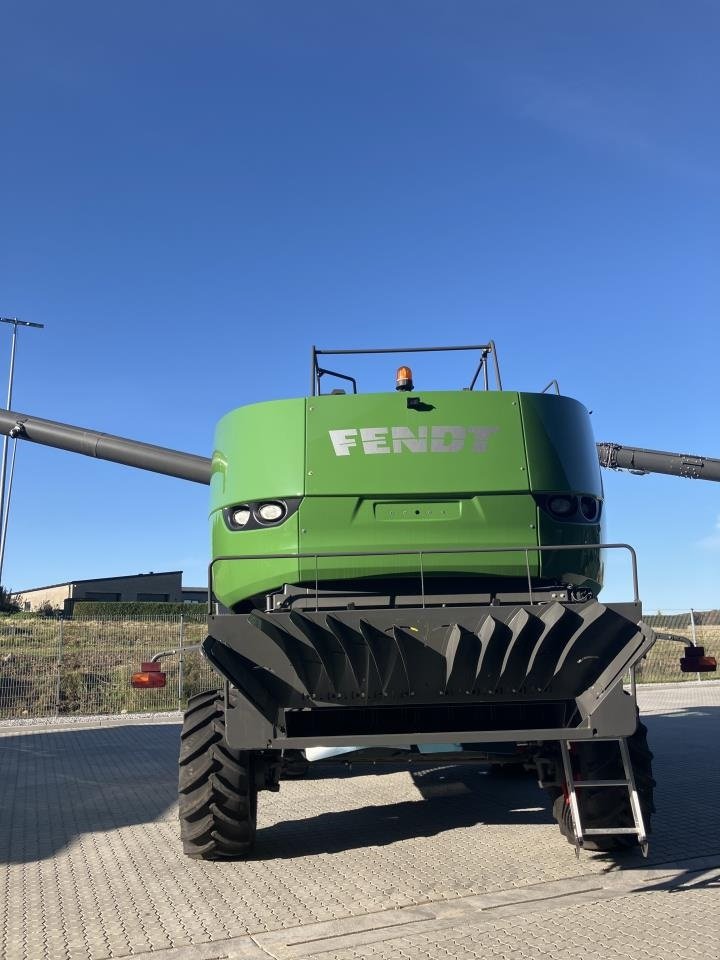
(601, 783)
(610, 830)
(627, 783)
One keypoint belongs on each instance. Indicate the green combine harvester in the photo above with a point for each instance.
(410, 575)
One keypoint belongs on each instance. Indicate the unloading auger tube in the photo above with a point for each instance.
(105, 446)
(640, 461)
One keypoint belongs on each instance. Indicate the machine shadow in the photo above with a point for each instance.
(56, 786)
(686, 744)
(449, 798)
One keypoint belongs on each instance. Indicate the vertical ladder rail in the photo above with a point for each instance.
(634, 798)
(572, 796)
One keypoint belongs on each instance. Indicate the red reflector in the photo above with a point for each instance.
(150, 675)
(695, 661)
(698, 664)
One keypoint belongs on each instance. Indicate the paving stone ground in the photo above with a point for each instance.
(446, 863)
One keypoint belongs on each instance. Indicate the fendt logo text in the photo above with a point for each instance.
(421, 440)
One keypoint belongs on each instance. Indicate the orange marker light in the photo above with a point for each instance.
(403, 379)
(150, 675)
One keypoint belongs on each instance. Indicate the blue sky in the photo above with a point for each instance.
(193, 194)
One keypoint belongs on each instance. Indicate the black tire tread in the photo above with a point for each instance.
(216, 791)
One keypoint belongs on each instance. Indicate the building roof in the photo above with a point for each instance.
(122, 576)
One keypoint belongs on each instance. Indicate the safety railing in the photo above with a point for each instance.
(524, 551)
(487, 350)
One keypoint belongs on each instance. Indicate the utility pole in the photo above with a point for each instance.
(5, 503)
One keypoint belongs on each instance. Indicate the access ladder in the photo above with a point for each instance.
(628, 782)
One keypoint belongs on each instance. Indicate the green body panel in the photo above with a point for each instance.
(367, 524)
(497, 465)
(582, 568)
(259, 453)
(560, 446)
(562, 456)
(234, 580)
(376, 475)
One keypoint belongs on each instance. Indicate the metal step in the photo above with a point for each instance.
(600, 783)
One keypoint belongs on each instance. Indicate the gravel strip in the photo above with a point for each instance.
(106, 720)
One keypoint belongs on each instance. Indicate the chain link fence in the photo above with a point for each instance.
(77, 667)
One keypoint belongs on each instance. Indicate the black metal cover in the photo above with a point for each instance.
(399, 668)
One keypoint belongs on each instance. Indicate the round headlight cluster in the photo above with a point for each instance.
(262, 513)
(571, 507)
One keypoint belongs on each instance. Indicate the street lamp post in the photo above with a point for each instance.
(5, 505)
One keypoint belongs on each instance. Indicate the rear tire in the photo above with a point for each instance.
(216, 792)
(608, 806)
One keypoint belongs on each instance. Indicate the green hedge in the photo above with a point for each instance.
(138, 610)
(22, 615)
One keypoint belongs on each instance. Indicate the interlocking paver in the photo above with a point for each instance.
(601, 931)
(93, 869)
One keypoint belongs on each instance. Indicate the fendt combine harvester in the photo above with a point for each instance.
(409, 575)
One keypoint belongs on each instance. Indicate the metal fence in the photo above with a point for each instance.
(697, 627)
(78, 667)
(75, 667)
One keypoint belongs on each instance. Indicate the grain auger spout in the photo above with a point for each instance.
(105, 446)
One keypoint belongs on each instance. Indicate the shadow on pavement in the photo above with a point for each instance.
(686, 744)
(449, 798)
(55, 786)
(687, 880)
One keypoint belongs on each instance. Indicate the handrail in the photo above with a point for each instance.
(553, 383)
(526, 550)
(317, 372)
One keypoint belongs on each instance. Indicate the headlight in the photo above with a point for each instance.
(241, 515)
(590, 508)
(271, 512)
(562, 506)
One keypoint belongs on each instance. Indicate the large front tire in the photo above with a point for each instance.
(608, 806)
(217, 792)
